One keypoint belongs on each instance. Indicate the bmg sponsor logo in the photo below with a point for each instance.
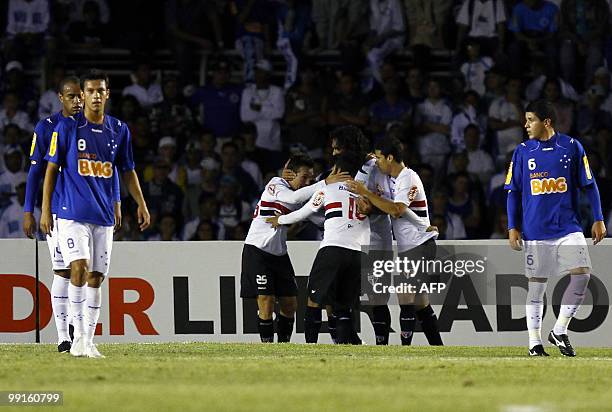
(548, 185)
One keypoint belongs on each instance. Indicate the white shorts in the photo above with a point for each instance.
(57, 260)
(80, 240)
(556, 257)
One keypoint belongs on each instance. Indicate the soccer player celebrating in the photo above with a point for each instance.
(411, 227)
(381, 245)
(336, 270)
(87, 147)
(544, 178)
(344, 139)
(267, 272)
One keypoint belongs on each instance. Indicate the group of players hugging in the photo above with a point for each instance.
(370, 197)
(364, 200)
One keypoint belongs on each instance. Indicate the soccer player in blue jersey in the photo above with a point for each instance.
(89, 147)
(71, 99)
(544, 179)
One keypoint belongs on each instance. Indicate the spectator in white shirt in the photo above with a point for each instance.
(475, 68)
(480, 162)
(467, 114)
(12, 174)
(208, 211)
(144, 89)
(49, 104)
(10, 113)
(26, 27)
(387, 33)
(507, 117)
(433, 118)
(11, 218)
(263, 104)
(450, 224)
(247, 164)
(483, 21)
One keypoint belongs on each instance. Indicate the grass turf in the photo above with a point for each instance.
(273, 377)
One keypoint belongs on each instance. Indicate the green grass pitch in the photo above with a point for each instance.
(288, 377)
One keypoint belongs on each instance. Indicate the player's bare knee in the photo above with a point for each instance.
(287, 306)
(538, 280)
(94, 279)
(581, 271)
(312, 304)
(63, 273)
(265, 304)
(78, 272)
(406, 298)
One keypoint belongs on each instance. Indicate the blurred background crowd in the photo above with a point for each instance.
(218, 94)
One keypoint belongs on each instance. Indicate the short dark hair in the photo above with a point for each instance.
(299, 160)
(351, 139)
(471, 126)
(349, 162)
(543, 109)
(66, 80)
(229, 144)
(94, 74)
(390, 146)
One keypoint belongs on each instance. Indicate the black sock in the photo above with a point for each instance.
(331, 326)
(266, 330)
(381, 321)
(344, 327)
(407, 322)
(355, 339)
(284, 328)
(429, 323)
(312, 324)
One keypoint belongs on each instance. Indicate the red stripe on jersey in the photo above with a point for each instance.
(418, 203)
(333, 205)
(276, 206)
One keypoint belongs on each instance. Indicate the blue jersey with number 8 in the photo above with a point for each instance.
(88, 154)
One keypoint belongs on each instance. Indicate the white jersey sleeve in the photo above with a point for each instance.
(284, 193)
(411, 229)
(365, 171)
(313, 205)
(278, 198)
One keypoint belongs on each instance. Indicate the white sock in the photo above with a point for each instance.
(534, 308)
(94, 300)
(59, 302)
(571, 301)
(76, 296)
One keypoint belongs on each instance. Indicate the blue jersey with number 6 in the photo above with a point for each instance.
(88, 154)
(549, 174)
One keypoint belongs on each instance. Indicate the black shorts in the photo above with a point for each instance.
(425, 252)
(336, 276)
(266, 274)
(371, 282)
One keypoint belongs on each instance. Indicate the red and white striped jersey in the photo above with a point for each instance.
(344, 226)
(410, 229)
(381, 237)
(277, 198)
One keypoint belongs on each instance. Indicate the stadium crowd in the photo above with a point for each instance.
(205, 152)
